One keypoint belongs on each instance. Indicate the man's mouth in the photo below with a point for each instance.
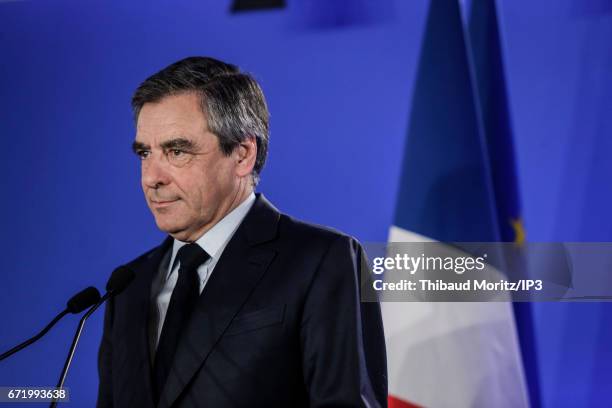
(163, 203)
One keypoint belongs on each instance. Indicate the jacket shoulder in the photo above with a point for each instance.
(306, 231)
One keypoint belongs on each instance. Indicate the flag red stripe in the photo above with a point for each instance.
(395, 402)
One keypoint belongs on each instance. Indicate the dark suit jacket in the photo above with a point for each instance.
(279, 324)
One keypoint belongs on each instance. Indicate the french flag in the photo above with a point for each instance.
(457, 184)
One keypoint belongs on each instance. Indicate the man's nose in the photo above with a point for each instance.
(155, 171)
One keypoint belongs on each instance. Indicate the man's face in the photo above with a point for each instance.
(189, 184)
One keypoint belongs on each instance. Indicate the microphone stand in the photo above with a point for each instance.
(75, 340)
(35, 338)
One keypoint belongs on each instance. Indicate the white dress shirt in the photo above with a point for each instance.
(213, 242)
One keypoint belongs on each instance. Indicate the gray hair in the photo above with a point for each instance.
(232, 101)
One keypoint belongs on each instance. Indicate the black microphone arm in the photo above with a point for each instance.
(119, 280)
(79, 302)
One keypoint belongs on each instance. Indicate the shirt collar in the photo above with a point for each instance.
(216, 238)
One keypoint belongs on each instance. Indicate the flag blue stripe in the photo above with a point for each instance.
(445, 191)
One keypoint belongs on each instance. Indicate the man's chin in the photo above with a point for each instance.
(176, 231)
(168, 226)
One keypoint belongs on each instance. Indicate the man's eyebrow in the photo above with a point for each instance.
(178, 143)
(139, 146)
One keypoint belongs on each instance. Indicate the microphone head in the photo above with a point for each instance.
(82, 300)
(119, 280)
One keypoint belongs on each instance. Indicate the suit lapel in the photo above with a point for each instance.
(139, 305)
(235, 276)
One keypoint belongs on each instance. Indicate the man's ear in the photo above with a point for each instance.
(245, 154)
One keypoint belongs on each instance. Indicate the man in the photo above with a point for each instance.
(241, 306)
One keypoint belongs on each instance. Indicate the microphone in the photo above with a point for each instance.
(119, 280)
(75, 305)
(82, 300)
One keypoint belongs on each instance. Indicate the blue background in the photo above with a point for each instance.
(338, 77)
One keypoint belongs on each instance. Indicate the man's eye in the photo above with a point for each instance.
(143, 154)
(176, 152)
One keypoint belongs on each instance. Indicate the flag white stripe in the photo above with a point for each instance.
(456, 355)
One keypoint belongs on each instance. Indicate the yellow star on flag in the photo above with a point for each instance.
(519, 231)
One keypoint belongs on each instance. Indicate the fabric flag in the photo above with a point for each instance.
(490, 79)
(449, 354)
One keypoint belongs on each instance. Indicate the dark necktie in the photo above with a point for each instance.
(182, 302)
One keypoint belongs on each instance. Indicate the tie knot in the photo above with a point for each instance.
(191, 256)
